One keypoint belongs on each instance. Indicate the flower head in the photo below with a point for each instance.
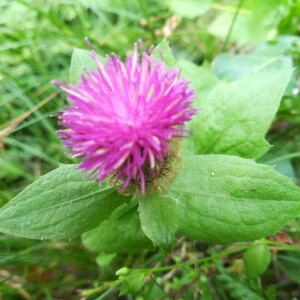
(123, 116)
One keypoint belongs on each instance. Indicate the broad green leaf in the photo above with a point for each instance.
(81, 60)
(61, 204)
(233, 67)
(164, 52)
(202, 79)
(230, 199)
(237, 115)
(248, 26)
(122, 234)
(285, 167)
(159, 219)
(222, 199)
(266, 56)
(189, 8)
(240, 33)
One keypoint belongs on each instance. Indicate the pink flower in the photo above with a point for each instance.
(123, 116)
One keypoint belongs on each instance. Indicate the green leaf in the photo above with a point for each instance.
(81, 59)
(164, 52)
(222, 199)
(285, 167)
(237, 288)
(189, 8)
(289, 263)
(236, 116)
(159, 219)
(2, 202)
(248, 26)
(230, 199)
(121, 233)
(134, 282)
(266, 56)
(61, 204)
(202, 79)
(233, 67)
(104, 259)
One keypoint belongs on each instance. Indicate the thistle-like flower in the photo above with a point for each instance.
(123, 116)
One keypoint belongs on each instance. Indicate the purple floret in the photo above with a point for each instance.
(123, 115)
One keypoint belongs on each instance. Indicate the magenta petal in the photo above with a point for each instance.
(122, 116)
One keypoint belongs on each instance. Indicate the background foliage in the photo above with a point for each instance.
(229, 40)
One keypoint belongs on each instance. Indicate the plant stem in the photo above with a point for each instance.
(232, 25)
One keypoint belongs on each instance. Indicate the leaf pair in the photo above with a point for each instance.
(214, 198)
